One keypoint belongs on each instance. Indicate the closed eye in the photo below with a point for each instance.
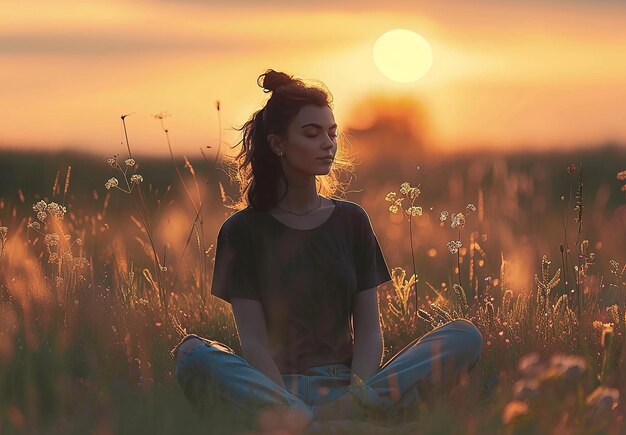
(314, 135)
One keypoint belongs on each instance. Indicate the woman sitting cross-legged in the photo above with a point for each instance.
(301, 272)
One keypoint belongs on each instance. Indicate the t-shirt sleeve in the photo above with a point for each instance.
(371, 267)
(233, 271)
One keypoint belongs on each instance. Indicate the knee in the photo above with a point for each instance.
(471, 341)
(195, 366)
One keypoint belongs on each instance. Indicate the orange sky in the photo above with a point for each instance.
(505, 74)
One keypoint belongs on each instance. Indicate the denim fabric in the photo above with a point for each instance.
(438, 357)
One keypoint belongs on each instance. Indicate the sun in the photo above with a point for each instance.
(402, 55)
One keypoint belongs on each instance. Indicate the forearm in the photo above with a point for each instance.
(260, 358)
(367, 355)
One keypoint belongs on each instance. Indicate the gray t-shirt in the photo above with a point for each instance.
(305, 280)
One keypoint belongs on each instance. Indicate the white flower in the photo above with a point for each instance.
(3, 232)
(42, 215)
(404, 188)
(414, 192)
(470, 207)
(51, 239)
(136, 178)
(454, 246)
(443, 216)
(40, 206)
(112, 182)
(112, 161)
(458, 220)
(56, 211)
(129, 162)
(34, 225)
(391, 196)
(415, 211)
(80, 262)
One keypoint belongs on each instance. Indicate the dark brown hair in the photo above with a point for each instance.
(258, 168)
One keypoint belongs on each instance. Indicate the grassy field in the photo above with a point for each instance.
(97, 285)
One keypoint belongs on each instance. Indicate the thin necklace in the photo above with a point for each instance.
(301, 214)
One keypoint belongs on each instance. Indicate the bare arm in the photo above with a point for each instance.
(368, 339)
(252, 332)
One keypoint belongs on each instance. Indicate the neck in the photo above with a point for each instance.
(299, 197)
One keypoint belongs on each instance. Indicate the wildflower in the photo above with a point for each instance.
(571, 169)
(415, 211)
(602, 401)
(458, 220)
(136, 178)
(414, 192)
(391, 196)
(40, 206)
(454, 246)
(404, 188)
(163, 268)
(35, 225)
(621, 175)
(3, 232)
(79, 242)
(59, 281)
(129, 162)
(56, 211)
(112, 182)
(112, 161)
(42, 215)
(53, 258)
(470, 207)
(80, 262)
(51, 239)
(161, 115)
(444, 215)
(514, 410)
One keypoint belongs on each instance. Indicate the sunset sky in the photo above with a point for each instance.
(504, 74)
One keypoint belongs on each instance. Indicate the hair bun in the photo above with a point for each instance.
(272, 80)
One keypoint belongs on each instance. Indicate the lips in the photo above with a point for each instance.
(326, 158)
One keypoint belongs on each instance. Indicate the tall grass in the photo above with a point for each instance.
(91, 304)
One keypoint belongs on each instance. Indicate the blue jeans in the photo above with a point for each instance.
(438, 357)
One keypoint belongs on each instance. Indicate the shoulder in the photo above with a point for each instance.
(235, 222)
(354, 210)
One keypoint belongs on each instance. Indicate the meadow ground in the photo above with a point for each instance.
(97, 285)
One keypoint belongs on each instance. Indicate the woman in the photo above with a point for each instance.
(301, 272)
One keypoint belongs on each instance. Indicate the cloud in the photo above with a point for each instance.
(89, 45)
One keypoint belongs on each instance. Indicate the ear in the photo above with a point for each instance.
(275, 143)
